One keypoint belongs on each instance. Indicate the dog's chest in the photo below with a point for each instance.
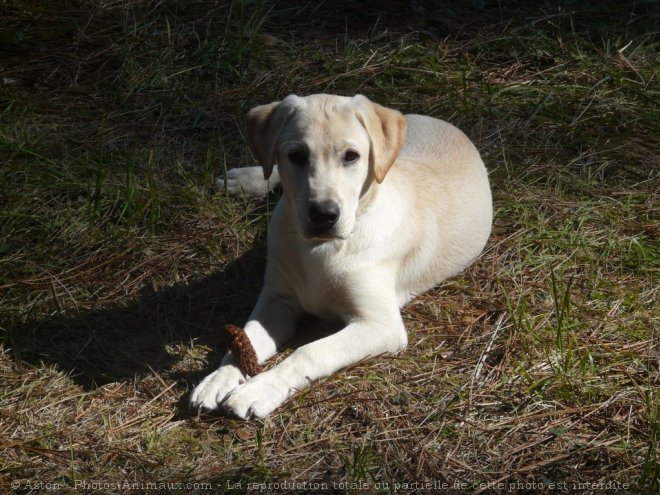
(323, 292)
(322, 284)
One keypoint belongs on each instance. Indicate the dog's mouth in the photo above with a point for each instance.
(308, 231)
(321, 235)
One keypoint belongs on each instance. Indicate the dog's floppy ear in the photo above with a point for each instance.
(264, 124)
(387, 132)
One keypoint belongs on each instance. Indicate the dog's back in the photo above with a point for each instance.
(451, 207)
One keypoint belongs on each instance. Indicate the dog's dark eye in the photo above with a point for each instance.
(351, 156)
(298, 157)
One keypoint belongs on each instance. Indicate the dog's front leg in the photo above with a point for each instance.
(381, 331)
(271, 323)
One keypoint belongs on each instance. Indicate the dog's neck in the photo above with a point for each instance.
(368, 193)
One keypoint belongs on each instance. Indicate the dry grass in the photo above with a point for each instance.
(536, 370)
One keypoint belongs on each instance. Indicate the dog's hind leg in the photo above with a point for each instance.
(248, 182)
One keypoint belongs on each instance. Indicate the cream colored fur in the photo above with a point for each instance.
(415, 209)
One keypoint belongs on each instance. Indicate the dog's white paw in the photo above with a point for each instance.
(246, 181)
(211, 391)
(257, 398)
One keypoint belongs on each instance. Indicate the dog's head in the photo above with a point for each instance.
(329, 151)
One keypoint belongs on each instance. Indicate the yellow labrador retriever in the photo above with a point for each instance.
(376, 208)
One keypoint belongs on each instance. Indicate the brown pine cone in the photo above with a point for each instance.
(242, 348)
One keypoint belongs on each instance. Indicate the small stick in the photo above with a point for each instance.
(242, 348)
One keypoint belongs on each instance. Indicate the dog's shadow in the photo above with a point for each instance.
(164, 331)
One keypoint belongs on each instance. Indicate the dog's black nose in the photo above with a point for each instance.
(324, 214)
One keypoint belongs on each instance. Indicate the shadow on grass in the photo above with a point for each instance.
(162, 332)
(155, 333)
